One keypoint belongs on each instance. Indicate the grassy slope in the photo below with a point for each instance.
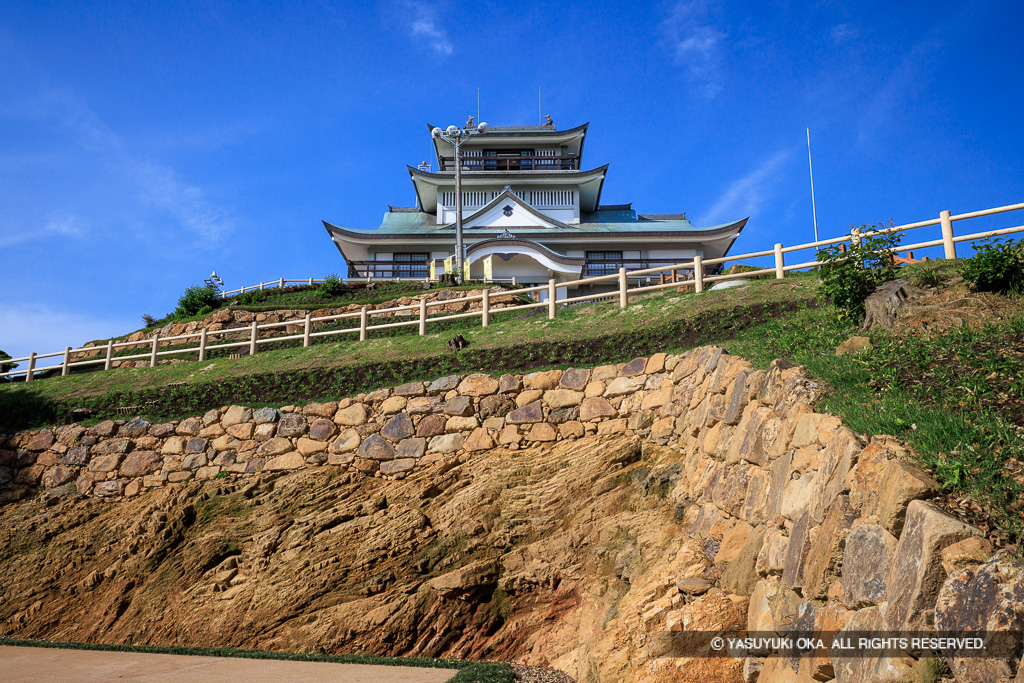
(956, 398)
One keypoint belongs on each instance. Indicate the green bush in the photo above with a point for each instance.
(250, 298)
(6, 367)
(997, 266)
(849, 277)
(195, 299)
(331, 287)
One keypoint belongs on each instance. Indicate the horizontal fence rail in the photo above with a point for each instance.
(696, 270)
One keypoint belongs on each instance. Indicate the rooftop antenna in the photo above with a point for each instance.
(478, 103)
(539, 117)
(814, 211)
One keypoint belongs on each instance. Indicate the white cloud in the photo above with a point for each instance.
(695, 43)
(25, 328)
(843, 33)
(426, 31)
(746, 196)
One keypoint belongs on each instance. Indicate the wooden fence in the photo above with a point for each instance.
(420, 312)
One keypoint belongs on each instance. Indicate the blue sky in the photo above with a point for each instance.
(143, 146)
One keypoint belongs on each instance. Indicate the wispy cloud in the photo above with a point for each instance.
(843, 33)
(695, 43)
(154, 187)
(57, 223)
(746, 196)
(426, 31)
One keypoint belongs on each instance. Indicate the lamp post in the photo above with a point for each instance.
(455, 136)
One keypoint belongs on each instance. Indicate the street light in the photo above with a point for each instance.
(455, 136)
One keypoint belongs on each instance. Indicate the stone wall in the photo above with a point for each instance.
(234, 318)
(809, 527)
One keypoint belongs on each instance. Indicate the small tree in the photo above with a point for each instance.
(195, 299)
(331, 287)
(849, 277)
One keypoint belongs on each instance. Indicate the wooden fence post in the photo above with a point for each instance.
(310, 282)
(623, 294)
(110, 355)
(780, 262)
(948, 245)
(261, 286)
(202, 345)
(485, 309)
(156, 344)
(31, 366)
(552, 295)
(362, 324)
(280, 283)
(252, 338)
(698, 274)
(64, 369)
(423, 317)
(306, 329)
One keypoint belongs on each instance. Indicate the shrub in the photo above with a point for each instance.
(148, 320)
(195, 299)
(997, 266)
(331, 286)
(849, 277)
(6, 367)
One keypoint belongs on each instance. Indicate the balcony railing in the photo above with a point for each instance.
(597, 267)
(388, 270)
(514, 162)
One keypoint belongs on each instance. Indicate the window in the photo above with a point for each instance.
(411, 265)
(603, 263)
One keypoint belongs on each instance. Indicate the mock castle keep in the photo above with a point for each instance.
(530, 211)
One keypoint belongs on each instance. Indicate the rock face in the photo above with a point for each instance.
(592, 520)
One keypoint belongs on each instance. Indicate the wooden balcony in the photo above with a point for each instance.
(514, 162)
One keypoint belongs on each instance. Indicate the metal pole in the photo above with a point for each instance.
(457, 142)
(814, 211)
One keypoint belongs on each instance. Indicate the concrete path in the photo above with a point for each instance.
(23, 664)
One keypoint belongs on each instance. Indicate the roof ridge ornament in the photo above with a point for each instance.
(506, 235)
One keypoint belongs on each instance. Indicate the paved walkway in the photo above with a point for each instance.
(24, 664)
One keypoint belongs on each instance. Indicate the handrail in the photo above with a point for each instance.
(105, 354)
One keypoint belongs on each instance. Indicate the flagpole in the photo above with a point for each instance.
(814, 210)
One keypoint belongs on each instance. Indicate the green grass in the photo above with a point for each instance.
(468, 671)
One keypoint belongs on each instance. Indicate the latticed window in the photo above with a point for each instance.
(411, 264)
(603, 263)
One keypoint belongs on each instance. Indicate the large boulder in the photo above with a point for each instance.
(987, 600)
(915, 573)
